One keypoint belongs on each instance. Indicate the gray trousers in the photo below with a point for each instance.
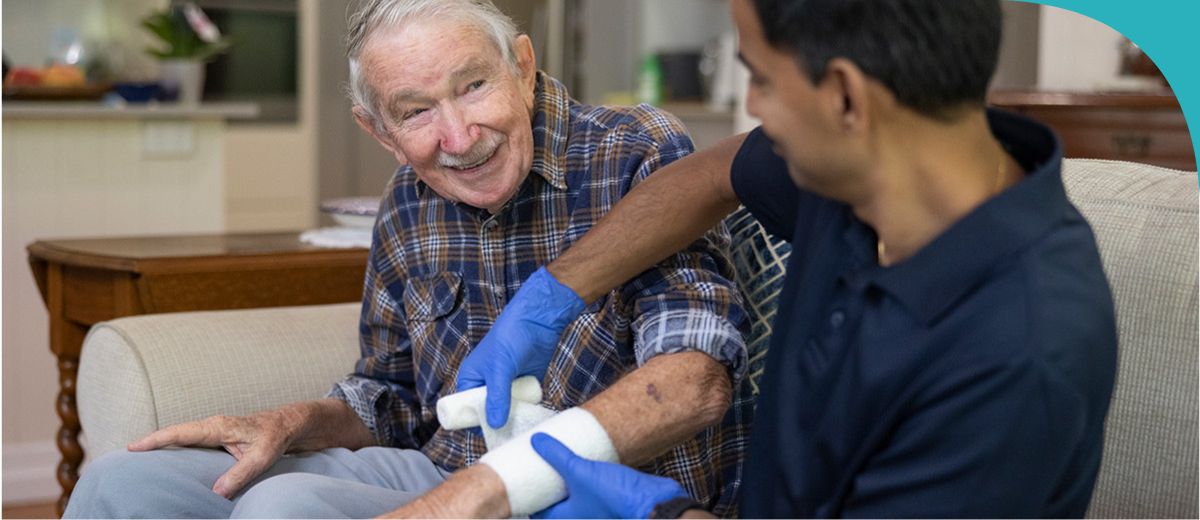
(177, 483)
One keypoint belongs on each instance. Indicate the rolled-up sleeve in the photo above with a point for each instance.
(688, 302)
(683, 306)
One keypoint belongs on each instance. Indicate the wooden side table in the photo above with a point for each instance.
(87, 281)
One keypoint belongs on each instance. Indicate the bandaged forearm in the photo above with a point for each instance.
(532, 485)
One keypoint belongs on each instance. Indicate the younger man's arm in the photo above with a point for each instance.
(662, 215)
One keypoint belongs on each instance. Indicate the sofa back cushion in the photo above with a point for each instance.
(1145, 221)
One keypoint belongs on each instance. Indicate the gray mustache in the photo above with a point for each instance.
(481, 150)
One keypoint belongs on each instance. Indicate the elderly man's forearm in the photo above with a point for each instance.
(662, 215)
(662, 403)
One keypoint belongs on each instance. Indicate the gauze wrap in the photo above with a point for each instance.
(531, 484)
(466, 409)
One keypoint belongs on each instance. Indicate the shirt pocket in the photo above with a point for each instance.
(429, 298)
(437, 327)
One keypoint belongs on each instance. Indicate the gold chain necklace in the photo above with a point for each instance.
(881, 250)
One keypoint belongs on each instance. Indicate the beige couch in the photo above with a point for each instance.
(142, 373)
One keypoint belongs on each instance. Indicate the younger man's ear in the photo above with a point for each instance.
(848, 93)
(367, 123)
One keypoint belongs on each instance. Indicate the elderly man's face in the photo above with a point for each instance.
(454, 109)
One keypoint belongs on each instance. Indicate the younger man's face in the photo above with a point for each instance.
(795, 113)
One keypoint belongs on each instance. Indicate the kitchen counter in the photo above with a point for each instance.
(97, 110)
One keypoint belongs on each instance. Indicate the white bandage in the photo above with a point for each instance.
(467, 409)
(531, 483)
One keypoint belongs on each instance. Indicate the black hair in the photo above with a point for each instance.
(936, 56)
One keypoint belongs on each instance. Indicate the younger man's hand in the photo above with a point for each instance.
(521, 342)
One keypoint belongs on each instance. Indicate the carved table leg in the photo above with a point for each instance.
(68, 433)
(66, 342)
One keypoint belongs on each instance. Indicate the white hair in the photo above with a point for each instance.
(394, 15)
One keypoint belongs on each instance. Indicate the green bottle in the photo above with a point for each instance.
(650, 81)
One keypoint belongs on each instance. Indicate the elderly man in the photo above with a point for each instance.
(503, 171)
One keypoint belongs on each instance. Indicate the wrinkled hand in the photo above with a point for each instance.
(256, 441)
(601, 489)
(521, 342)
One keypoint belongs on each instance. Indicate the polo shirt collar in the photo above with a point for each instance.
(550, 124)
(930, 282)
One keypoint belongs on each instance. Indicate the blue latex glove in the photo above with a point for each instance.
(601, 489)
(521, 342)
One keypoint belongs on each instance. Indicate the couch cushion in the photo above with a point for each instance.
(1145, 220)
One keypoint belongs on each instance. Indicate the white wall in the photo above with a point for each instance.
(1076, 52)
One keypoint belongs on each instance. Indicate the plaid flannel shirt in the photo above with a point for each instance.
(440, 272)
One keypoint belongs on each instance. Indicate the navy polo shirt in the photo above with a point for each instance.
(970, 380)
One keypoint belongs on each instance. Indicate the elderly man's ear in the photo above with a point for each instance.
(367, 123)
(526, 67)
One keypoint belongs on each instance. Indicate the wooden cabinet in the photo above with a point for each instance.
(1147, 128)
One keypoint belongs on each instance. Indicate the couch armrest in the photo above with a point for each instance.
(142, 373)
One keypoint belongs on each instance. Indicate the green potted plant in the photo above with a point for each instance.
(188, 39)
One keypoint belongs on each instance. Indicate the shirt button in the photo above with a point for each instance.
(837, 319)
(491, 225)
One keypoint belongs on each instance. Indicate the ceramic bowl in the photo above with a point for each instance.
(356, 212)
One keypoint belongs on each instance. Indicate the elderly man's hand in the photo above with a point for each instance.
(256, 441)
(521, 342)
